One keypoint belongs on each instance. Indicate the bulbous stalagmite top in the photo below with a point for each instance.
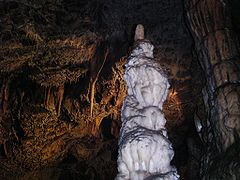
(139, 32)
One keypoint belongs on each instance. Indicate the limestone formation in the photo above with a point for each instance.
(144, 148)
(139, 33)
(218, 49)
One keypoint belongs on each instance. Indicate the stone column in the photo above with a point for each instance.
(144, 149)
(217, 49)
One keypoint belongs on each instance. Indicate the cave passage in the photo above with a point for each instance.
(62, 86)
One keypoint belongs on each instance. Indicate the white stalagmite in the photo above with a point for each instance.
(144, 149)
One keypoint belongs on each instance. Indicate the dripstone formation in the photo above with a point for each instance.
(144, 148)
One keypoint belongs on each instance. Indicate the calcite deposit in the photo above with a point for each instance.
(144, 148)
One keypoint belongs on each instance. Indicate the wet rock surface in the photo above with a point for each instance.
(144, 148)
(61, 84)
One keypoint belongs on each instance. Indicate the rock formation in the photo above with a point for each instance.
(139, 33)
(144, 148)
(62, 86)
(217, 47)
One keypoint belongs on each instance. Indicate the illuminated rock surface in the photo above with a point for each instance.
(144, 148)
(53, 73)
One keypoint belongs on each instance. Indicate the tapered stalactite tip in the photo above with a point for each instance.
(139, 32)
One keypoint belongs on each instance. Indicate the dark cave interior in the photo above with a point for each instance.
(62, 86)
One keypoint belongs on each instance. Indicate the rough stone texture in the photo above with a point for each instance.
(56, 47)
(144, 149)
(218, 52)
(46, 71)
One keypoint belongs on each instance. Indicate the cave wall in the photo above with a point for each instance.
(217, 49)
(47, 70)
(61, 66)
(61, 77)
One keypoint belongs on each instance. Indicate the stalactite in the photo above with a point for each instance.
(93, 83)
(2, 99)
(59, 98)
(5, 149)
(47, 96)
(4, 96)
(76, 106)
